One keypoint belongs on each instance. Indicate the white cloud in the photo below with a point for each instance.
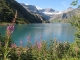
(64, 3)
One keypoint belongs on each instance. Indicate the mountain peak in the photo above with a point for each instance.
(70, 8)
(49, 10)
(46, 12)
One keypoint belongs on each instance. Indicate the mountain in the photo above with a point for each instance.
(46, 13)
(65, 16)
(68, 9)
(49, 13)
(7, 11)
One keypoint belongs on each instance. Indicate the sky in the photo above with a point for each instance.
(58, 5)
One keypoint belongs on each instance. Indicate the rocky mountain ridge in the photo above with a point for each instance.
(7, 11)
(47, 13)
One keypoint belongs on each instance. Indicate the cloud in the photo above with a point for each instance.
(64, 3)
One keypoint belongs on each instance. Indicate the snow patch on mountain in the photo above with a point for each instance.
(38, 8)
(52, 13)
(46, 12)
(26, 4)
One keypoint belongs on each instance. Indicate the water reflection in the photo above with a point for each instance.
(63, 32)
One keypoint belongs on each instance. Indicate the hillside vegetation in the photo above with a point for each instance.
(66, 17)
(7, 11)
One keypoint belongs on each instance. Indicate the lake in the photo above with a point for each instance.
(61, 31)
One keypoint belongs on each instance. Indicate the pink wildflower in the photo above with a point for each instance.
(13, 45)
(21, 42)
(10, 30)
(28, 38)
(19, 53)
(39, 45)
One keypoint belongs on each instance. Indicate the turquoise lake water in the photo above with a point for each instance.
(63, 32)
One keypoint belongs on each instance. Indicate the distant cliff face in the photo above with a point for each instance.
(66, 16)
(47, 13)
(33, 14)
(23, 14)
(51, 14)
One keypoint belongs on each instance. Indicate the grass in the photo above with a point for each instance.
(4, 23)
(41, 50)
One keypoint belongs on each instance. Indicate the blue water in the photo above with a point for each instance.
(63, 32)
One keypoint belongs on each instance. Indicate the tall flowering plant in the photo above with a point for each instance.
(9, 31)
(21, 42)
(28, 41)
(28, 38)
(39, 45)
